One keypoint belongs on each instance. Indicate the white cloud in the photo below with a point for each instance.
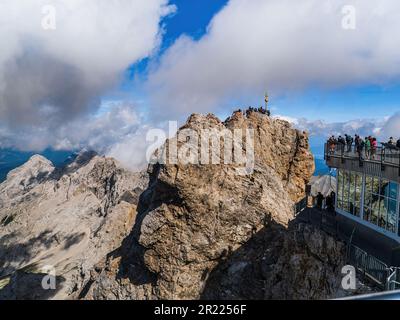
(49, 78)
(381, 128)
(392, 126)
(281, 45)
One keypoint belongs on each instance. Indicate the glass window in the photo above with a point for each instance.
(393, 190)
(384, 188)
(340, 187)
(375, 185)
(392, 216)
(368, 184)
(382, 212)
(349, 192)
(380, 202)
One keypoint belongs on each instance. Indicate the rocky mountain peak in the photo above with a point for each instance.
(212, 209)
(183, 230)
(27, 176)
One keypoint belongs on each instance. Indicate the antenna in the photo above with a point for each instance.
(266, 100)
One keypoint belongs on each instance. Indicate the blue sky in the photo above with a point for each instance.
(352, 102)
(314, 103)
(191, 18)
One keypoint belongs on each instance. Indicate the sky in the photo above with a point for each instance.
(100, 73)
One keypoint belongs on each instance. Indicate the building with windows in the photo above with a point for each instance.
(368, 188)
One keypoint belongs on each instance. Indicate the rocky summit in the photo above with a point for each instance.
(176, 231)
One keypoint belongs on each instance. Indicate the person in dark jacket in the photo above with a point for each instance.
(356, 142)
(360, 148)
(320, 200)
(349, 142)
(342, 143)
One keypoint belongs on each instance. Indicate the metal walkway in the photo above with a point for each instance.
(371, 254)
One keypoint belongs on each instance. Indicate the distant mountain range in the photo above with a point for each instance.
(11, 159)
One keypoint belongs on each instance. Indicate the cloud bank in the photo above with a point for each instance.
(381, 128)
(49, 79)
(279, 45)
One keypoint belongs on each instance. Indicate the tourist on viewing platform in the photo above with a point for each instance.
(367, 148)
(390, 145)
(349, 142)
(332, 144)
(374, 147)
(360, 148)
(398, 143)
(320, 200)
(356, 142)
(330, 202)
(342, 143)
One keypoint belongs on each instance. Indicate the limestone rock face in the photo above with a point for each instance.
(180, 231)
(193, 217)
(68, 219)
(301, 262)
(198, 215)
(26, 177)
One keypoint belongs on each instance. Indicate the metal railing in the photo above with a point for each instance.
(368, 266)
(381, 155)
(300, 206)
(393, 280)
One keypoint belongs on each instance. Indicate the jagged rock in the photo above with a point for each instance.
(194, 217)
(69, 218)
(200, 214)
(198, 231)
(26, 177)
(301, 262)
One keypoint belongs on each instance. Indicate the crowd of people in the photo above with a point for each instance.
(366, 147)
(249, 110)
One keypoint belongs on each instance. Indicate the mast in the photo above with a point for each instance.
(266, 101)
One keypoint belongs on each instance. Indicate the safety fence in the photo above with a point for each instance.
(381, 155)
(367, 265)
